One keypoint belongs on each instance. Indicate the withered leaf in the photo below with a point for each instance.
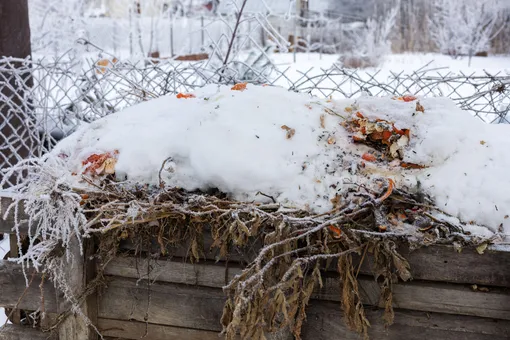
(323, 123)
(420, 107)
(290, 132)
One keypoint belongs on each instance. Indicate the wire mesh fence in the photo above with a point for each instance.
(43, 101)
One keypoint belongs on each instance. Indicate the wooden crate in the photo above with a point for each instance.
(183, 300)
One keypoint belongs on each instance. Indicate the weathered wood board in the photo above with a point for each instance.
(200, 308)
(416, 295)
(138, 330)
(13, 287)
(15, 332)
(325, 322)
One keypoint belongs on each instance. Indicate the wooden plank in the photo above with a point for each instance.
(15, 332)
(241, 255)
(75, 327)
(120, 329)
(13, 286)
(324, 322)
(208, 274)
(444, 263)
(435, 263)
(416, 295)
(139, 330)
(430, 297)
(189, 307)
(167, 304)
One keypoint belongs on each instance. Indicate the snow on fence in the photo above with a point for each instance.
(42, 101)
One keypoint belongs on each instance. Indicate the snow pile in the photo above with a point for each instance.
(298, 150)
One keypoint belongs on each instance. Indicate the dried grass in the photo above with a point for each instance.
(273, 290)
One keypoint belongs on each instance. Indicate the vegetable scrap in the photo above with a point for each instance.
(100, 164)
(369, 157)
(337, 232)
(380, 133)
(185, 95)
(239, 87)
(406, 98)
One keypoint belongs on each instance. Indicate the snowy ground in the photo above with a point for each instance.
(4, 248)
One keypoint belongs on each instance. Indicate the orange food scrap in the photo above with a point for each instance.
(376, 135)
(369, 157)
(382, 228)
(411, 165)
(331, 140)
(408, 98)
(337, 232)
(391, 185)
(185, 95)
(97, 164)
(386, 135)
(348, 109)
(84, 196)
(357, 139)
(398, 131)
(359, 115)
(239, 87)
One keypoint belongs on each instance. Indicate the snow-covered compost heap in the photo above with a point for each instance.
(317, 180)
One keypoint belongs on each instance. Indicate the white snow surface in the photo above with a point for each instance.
(234, 141)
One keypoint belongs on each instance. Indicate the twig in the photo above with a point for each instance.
(234, 34)
(268, 196)
(161, 183)
(362, 259)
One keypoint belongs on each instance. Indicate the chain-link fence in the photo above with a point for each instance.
(42, 101)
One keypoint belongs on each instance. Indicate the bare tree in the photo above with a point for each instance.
(464, 27)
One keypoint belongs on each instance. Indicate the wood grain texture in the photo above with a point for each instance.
(445, 264)
(75, 327)
(15, 332)
(324, 322)
(417, 295)
(429, 297)
(208, 274)
(188, 307)
(13, 286)
(168, 304)
(435, 263)
(137, 330)
(119, 329)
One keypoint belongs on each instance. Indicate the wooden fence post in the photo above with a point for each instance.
(81, 271)
(15, 132)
